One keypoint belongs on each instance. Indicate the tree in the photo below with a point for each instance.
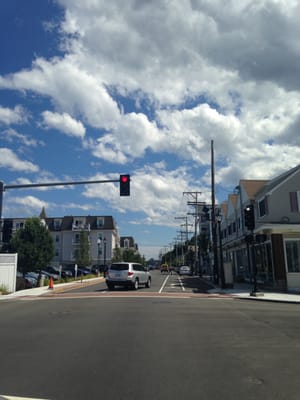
(34, 246)
(128, 255)
(82, 256)
(117, 254)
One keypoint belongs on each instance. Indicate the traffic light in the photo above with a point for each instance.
(205, 214)
(124, 185)
(249, 217)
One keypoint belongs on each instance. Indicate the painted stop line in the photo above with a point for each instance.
(5, 397)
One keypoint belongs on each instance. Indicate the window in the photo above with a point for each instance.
(293, 255)
(233, 227)
(77, 238)
(100, 222)
(263, 207)
(120, 267)
(56, 238)
(126, 243)
(57, 224)
(295, 201)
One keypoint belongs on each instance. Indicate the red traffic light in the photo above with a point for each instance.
(124, 185)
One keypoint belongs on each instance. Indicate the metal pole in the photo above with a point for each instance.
(1, 198)
(213, 217)
(104, 241)
(221, 257)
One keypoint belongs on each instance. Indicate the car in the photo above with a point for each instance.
(48, 275)
(127, 274)
(185, 270)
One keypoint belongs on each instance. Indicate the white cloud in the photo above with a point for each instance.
(155, 192)
(9, 160)
(71, 88)
(10, 116)
(32, 203)
(203, 71)
(10, 135)
(64, 123)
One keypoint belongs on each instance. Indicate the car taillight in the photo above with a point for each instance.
(130, 273)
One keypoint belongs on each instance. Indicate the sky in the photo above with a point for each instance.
(91, 89)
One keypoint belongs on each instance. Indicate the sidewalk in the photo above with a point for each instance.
(39, 291)
(243, 291)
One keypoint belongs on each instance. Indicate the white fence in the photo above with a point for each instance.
(8, 271)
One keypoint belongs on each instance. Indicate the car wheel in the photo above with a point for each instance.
(148, 283)
(136, 284)
(111, 286)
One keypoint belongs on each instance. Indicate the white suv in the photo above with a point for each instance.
(127, 274)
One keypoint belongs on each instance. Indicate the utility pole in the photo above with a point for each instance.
(213, 217)
(186, 231)
(196, 204)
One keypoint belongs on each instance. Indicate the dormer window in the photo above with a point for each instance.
(100, 222)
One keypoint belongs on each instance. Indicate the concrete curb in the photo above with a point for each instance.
(57, 288)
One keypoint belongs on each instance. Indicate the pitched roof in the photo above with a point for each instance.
(233, 198)
(224, 208)
(252, 186)
(271, 184)
(67, 222)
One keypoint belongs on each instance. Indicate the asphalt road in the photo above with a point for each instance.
(149, 348)
(161, 283)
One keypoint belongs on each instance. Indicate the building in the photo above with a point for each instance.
(101, 232)
(272, 250)
(128, 243)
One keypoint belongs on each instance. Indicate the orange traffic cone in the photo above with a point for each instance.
(51, 283)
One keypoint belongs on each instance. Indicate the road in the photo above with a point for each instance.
(161, 283)
(149, 348)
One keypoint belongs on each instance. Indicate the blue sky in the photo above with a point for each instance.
(91, 89)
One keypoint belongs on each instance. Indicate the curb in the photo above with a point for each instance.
(74, 285)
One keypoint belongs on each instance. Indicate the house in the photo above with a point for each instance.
(101, 231)
(272, 249)
(128, 243)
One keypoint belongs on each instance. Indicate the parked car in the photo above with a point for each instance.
(127, 274)
(25, 282)
(55, 277)
(185, 270)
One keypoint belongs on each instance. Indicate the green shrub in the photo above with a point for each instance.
(3, 289)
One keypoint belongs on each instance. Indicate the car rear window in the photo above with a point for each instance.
(119, 267)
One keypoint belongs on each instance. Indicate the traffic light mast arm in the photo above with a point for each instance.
(57, 184)
(4, 187)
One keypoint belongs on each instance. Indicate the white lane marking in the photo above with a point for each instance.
(164, 284)
(181, 284)
(4, 397)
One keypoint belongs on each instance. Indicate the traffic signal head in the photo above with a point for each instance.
(124, 185)
(249, 217)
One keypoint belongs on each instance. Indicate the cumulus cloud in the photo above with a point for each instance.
(196, 72)
(10, 135)
(8, 159)
(64, 123)
(10, 116)
(32, 202)
(154, 192)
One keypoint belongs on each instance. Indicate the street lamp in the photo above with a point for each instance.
(104, 243)
(98, 261)
(219, 220)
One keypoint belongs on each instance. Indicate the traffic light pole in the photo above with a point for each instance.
(32, 185)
